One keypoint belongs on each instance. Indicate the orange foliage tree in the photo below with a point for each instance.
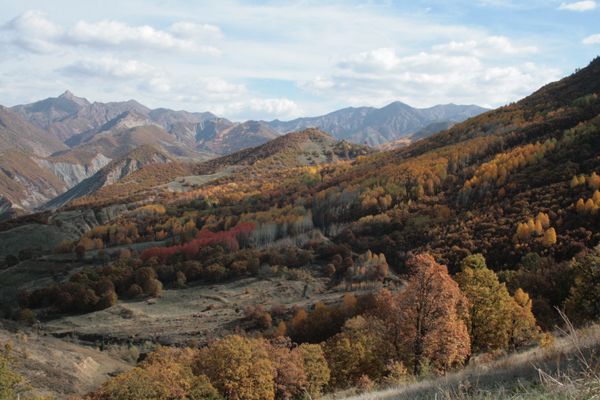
(431, 316)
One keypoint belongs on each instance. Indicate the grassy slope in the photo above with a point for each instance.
(59, 368)
(567, 369)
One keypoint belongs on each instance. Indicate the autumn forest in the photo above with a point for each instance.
(478, 241)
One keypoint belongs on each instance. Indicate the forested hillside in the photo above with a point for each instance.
(410, 262)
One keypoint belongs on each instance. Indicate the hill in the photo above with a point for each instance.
(222, 137)
(294, 150)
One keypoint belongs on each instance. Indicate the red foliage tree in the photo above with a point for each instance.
(205, 237)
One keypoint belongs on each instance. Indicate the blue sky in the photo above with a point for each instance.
(276, 59)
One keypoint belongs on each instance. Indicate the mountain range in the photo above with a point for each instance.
(377, 126)
(50, 146)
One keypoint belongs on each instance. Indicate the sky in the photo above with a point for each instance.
(285, 59)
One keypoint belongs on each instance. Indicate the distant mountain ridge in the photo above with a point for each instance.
(50, 146)
(140, 173)
(75, 121)
(376, 126)
(71, 119)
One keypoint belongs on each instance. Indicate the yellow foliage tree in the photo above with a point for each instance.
(10, 380)
(523, 328)
(315, 367)
(523, 232)
(590, 207)
(596, 198)
(549, 237)
(240, 368)
(358, 350)
(543, 219)
(580, 206)
(594, 181)
(490, 304)
(165, 374)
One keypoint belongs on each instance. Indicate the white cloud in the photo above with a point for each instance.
(109, 67)
(192, 30)
(370, 61)
(464, 72)
(333, 56)
(282, 108)
(491, 46)
(584, 5)
(592, 39)
(201, 93)
(117, 34)
(32, 31)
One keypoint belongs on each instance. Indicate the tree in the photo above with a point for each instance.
(290, 377)
(315, 367)
(549, 237)
(523, 232)
(106, 300)
(239, 368)
(202, 389)
(490, 304)
(544, 219)
(580, 206)
(153, 288)
(523, 326)
(594, 181)
(583, 303)
(146, 278)
(432, 313)
(590, 207)
(359, 349)
(165, 374)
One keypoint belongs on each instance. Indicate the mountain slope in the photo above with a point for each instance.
(68, 115)
(467, 189)
(17, 133)
(75, 121)
(23, 182)
(377, 126)
(310, 147)
(112, 173)
(236, 137)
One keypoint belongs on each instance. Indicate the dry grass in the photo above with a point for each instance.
(568, 369)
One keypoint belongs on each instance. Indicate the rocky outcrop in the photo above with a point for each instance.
(71, 173)
(64, 225)
(111, 174)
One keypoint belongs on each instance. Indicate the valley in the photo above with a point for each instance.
(263, 247)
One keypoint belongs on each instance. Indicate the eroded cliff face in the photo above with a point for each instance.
(73, 173)
(31, 181)
(127, 166)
